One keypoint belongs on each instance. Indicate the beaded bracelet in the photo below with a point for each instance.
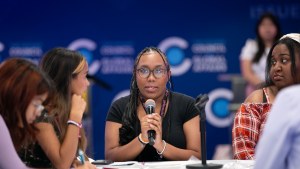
(141, 140)
(79, 125)
(161, 153)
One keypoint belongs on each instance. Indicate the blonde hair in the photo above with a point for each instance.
(62, 65)
(80, 67)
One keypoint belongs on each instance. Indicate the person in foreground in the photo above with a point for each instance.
(254, 54)
(279, 146)
(23, 91)
(250, 120)
(175, 121)
(60, 135)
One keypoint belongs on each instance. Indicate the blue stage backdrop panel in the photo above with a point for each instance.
(202, 39)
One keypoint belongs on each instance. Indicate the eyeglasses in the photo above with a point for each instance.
(38, 107)
(157, 72)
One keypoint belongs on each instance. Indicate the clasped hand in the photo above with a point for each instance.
(152, 122)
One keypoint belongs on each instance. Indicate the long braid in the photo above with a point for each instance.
(129, 116)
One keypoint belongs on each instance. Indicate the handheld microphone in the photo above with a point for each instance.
(150, 108)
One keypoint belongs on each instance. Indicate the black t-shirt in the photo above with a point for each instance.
(180, 110)
(33, 155)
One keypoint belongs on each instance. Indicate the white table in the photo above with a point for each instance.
(227, 164)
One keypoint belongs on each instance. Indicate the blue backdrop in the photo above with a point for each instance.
(202, 39)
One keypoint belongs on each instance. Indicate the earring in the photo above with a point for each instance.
(170, 84)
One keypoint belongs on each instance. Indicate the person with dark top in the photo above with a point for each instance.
(175, 121)
(250, 120)
(60, 135)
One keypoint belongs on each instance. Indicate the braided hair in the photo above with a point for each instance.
(127, 131)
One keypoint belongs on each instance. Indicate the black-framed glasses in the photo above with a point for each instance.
(157, 72)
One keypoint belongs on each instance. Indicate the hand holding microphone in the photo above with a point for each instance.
(150, 108)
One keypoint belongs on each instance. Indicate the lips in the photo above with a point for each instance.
(151, 88)
(277, 77)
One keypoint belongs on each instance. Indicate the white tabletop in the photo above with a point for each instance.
(227, 164)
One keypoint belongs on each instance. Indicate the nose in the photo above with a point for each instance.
(151, 76)
(278, 67)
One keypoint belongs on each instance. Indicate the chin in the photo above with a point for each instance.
(149, 95)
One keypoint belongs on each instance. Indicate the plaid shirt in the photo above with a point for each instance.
(248, 125)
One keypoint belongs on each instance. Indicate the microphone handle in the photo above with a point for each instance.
(151, 137)
(151, 133)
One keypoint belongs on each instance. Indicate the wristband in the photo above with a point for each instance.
(161, 153)
(79, 125)
(141, 140)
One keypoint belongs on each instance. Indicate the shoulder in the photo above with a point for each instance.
(182, 102)
(117, 108)
(121, 100)
(251, 42)
(255, 97)
(183, 106)
(249, 49)
(181, 97)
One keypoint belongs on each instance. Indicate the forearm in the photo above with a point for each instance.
(173, 153)
(246, 130)
(126, 152)
(67, 151)
(243, 147)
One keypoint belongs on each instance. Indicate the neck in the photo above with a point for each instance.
(268, 43)
(159, 99)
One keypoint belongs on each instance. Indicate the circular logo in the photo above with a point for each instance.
(177, 56)
(217, 112)
(174, 49)
(85, 47)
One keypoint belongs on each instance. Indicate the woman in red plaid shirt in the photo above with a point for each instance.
(250, 119)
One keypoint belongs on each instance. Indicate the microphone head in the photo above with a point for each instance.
(150, 102)
(201, 102)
